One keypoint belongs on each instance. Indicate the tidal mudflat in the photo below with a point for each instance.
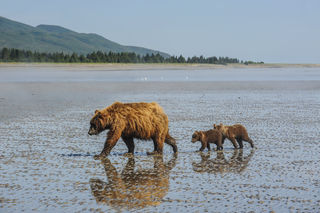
(46, 156)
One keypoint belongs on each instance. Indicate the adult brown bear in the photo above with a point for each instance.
(132, 120)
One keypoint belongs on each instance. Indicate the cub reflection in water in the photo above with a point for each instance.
(133, 189)
(236, 164)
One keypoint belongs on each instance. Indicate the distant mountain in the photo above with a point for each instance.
(50, 38)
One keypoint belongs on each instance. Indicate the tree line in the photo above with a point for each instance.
(17, 55)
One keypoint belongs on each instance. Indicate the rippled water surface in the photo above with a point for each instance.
(46, 156)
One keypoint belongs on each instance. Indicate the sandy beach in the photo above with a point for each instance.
(47, 157)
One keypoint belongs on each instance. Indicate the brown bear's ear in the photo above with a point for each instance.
(97, 112)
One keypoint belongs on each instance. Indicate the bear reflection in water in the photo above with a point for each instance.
(133, 189)
(236, 164)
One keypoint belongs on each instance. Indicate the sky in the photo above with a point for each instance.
(273, 31)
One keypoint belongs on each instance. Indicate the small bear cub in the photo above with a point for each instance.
(234, 133)
(207, 137)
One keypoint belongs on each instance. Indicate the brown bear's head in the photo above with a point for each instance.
(197, 135)
(220, 128)
(97, 123)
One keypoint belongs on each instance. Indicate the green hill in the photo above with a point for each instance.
(50, 38)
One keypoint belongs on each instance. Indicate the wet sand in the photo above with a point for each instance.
(47, 160)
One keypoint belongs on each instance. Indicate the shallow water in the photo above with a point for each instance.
(47, 160)
(69, 74)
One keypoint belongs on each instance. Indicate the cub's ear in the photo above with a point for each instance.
(95, 112)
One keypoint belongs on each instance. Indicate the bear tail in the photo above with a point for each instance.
(172, 142)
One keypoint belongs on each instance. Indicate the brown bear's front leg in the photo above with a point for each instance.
(130, 144)
(112, 138)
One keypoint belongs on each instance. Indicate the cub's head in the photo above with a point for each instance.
(222, 128)
(97, 123)
(196, 136)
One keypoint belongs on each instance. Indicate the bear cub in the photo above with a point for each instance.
(207, 137)
(234, 133)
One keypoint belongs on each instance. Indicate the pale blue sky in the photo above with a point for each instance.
(286, 31)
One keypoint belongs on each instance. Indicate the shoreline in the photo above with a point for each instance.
(130, 66)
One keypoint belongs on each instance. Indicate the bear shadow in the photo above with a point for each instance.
(133, 188)
(236, 164)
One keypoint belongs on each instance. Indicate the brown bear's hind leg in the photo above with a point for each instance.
(155, 145)
(160, 142)
(172, 142)
(158, 146)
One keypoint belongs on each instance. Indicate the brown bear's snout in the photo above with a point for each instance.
(92, 131)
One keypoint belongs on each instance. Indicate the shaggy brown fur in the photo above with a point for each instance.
(207, 137)
(132, 120)
(234, 133)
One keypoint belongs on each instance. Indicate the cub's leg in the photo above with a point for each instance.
(203, 146)
(219, 143)
(239, 140)
(250, 141)
(233, 140)
(208, 146)
(246, 138)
